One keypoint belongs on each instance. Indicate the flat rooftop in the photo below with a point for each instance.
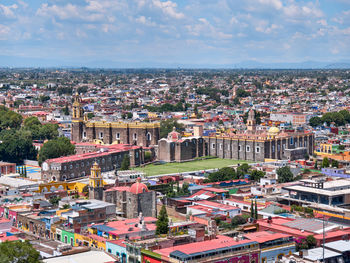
(339, 246)
(85, 257)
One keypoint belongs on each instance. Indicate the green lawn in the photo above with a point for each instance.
(169, 168)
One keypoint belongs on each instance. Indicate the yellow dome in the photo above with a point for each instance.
(274, 130)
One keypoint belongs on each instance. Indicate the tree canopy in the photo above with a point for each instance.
(16, 146)
(58, 147)
(125, 163)
(39, 131)
(285, 175)
(338, 118)
(162, 222)
(166, 126)
(9, 119)
(18, 252)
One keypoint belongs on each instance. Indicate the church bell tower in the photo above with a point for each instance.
(77, 119)
(95, 183)
(251, 121)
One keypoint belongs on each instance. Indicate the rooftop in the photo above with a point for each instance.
(264, 236)
(204, 246)
(107, 151)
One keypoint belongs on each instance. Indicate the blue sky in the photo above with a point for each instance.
(183, 32)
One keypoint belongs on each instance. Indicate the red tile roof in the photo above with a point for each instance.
(196, 247)
(264, 236)
(116, 148)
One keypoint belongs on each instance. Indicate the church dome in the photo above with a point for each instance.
(138, 187)
(174, 135)
(274, 130)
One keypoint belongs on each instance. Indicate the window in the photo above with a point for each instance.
(220, 145)
(134, 137)
(84, 134)
(213, 145)
(291, 141)
(257, 149)
(101, 135)
(239, 148)
(247, 148)
(117, 136)
(273, 148)
(149, 136)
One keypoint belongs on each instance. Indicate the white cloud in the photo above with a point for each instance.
(7, 11)
(168, 8)
(4, 31)
(277, 4)
(145, 21)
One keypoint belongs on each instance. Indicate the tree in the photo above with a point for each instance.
(325, 162)
(311, 241)
(125, 163)
(315, 121)
(167, 126)
(242, 170)
(55, 200)
(16, 146)
(56, 148)
(65, 110)
(19, 252)
(252, 209)
(285, 175)
(316, 165)
(255, 175)
(256, 211)
(9, 119)
(346, 115)
(334, 163)
(223, 174)
(237, 220)
(162, 223)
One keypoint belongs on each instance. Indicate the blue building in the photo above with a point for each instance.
(117, 248)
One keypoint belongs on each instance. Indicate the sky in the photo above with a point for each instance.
(145, 33)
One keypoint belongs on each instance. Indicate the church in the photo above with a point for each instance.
(250, 144)
(130, 200)
(135, 133)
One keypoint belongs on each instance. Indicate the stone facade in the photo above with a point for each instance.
(291, 147)
(135, 133)
(252, 145)
(180, 151)
(130, 204)
(76, 166)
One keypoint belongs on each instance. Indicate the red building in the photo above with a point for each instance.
(7, 168)
(221, 249)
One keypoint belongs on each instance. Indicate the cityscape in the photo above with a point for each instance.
(175, 131)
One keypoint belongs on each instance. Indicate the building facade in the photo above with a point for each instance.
(136, 133)
(133, 200)
(77, 166)
(252, 145)
(178, 149)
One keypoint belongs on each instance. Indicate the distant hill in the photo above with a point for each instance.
(18, 62)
